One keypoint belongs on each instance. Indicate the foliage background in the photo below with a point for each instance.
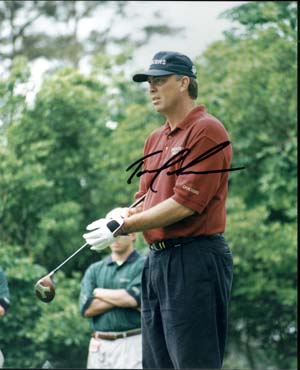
(64, 159)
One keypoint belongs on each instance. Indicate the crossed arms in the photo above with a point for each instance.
(106, 299)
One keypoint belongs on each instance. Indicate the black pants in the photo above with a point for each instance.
(185, 295)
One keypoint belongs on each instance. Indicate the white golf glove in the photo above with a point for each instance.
(103, 232)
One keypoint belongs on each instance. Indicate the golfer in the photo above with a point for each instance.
(187, 276)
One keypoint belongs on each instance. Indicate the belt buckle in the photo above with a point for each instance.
(162, 245)
(158, 246)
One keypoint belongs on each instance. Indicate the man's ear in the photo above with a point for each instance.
(185, 81)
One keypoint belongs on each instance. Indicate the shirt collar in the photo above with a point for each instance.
(187, 121)
(131, 258)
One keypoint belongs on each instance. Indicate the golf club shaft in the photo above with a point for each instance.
(65, 261)
(138, 201)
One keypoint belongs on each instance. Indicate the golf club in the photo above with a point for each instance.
(44, 288)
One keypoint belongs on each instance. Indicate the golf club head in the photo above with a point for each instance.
(44, 289)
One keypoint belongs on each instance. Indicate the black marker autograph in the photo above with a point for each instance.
(180, 156)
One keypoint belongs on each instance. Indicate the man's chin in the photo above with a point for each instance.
(159, 109)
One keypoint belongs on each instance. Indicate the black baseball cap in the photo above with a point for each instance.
(167, 63)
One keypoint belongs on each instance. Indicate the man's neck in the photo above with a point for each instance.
(179, 113)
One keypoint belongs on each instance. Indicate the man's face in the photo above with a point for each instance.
(165, 92)
(122, 244)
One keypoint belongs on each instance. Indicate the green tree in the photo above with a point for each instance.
(63, 164)
(13, 94)
(48, 170)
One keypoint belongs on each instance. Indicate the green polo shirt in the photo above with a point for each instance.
(109, 275)
(4, 291)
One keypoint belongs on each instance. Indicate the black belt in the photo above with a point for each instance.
(177, 242)
(113, 336)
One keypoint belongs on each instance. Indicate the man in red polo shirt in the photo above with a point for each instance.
(187, 276)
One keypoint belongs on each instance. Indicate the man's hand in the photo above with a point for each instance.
(103, 233)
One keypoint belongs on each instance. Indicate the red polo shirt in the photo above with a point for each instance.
(205, 193)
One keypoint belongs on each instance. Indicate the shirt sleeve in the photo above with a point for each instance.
(134, 287)
(195, 187)
(88, 284)
(4, 291)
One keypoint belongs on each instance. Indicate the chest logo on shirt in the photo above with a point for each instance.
(176, 149)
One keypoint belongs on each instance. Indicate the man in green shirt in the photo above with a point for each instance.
(110, 297)
(4, 302)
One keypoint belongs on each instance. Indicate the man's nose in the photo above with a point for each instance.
(152, 86)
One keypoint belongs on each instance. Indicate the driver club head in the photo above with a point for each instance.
(44, 289)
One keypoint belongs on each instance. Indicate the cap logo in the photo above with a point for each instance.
(159, 61)
(167, 63)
